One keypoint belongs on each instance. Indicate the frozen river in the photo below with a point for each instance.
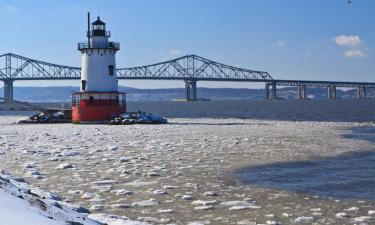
(287, 162)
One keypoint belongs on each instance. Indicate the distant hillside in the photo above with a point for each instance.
(62, 94)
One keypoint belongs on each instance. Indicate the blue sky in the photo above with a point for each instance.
(291, 39)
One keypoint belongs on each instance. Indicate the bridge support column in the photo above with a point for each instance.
(194, 90)
(267, 91)
(8, 90)
(302, 92)
(332, 92)
(361, 92)
(187, 90)
(273, 92)
(191, 90)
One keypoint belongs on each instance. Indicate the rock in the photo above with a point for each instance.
(74, 207)
(97, 207)
(33, 173)
(246, 222)
(120, 206)
(103, 188)
(39, 177)
(236, 203)
(186, 197)
(362, 218)
(202, 202)
(316, 210)
(81, 209)
(165, 210)
(122, 192)
(64, 166)
(112, 148)
(29, 165)
(145, 203)
(112, 219)
(304, 219)
(124, 159)
(341, 215)
(170, 187)
(159, 192)
(204, 207)
(153, 174)
(87, 195)
(67, 153)
(352, 209)
(138, 183)
(150, 219)
(198, 223)
(75, 192)
(209, 193)
(143, 157)
(242, 207)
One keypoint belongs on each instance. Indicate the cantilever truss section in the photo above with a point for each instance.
(17, 67)
(191, 67)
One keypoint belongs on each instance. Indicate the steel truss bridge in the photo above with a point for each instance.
(190, 69)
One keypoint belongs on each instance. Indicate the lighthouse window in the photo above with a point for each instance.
(83, 85)
(110, 70)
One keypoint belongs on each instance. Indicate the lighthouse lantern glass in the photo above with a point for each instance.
(98, 27)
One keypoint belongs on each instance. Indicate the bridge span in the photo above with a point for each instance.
(190, 69)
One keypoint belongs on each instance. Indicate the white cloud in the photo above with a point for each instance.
(354, 53)
(174, 52)
(10, 8)
(344, 40)
(279, 43)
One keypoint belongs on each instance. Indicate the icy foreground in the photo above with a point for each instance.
(23, 204)
(180, 173)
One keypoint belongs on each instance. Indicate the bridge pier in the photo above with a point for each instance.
(302, 92)
(361, 92)
(187, 90)
(191, 90)
(332, 92)
(267, 91)
(8, 90)
(194, 90)
(273, 91)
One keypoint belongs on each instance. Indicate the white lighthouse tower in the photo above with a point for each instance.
(98, 99)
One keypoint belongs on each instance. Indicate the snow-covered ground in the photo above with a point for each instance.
(24, 204)
(181, 173)
(15, 211)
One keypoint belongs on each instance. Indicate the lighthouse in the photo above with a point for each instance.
(99, 99)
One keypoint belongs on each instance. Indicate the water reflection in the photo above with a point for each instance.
(345, 176)
(362, 133)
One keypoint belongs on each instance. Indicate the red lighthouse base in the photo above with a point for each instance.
(89, 107)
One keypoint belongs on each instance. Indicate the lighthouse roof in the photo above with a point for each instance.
(98, 22)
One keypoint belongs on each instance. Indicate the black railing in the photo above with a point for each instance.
(99, 45)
